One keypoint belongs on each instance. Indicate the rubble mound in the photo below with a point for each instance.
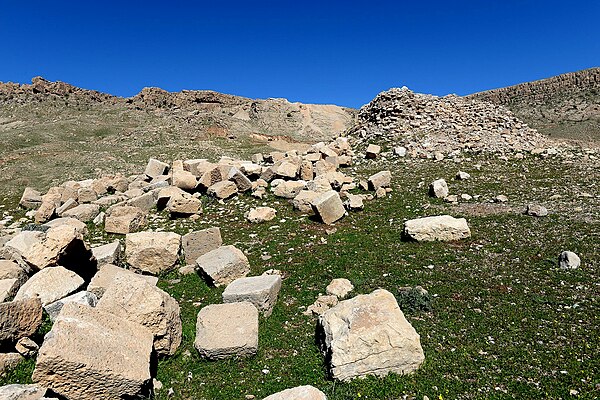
(424, 123)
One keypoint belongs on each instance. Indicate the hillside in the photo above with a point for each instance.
(428, 267)
(564, 106)
(54, 129)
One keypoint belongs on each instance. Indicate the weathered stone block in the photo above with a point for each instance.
(227, 330)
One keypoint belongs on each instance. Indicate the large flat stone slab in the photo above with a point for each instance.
(368, 335)
(227, 330)
(108, 273)
(441, 227)
(90, 354)
(50, 284)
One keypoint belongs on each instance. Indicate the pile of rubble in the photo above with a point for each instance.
(310, 180)
(420, 124)
(109, 320)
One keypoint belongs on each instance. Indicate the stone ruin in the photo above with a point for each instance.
(422, 124)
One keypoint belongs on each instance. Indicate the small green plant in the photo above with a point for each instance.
(413, 300)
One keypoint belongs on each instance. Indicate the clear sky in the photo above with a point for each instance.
(340, 52)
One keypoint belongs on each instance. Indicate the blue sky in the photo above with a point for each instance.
(340, 52)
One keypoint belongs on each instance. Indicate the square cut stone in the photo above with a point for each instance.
(223, 265)
(227, 330)
(198, 243)
(152, 252)
(90, 354)
(329, 207)
(261, 291)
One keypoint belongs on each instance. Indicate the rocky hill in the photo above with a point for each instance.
(564, 106)
(204, 110)
(50, 129)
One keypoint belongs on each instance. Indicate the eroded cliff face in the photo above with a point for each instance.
(566, 105)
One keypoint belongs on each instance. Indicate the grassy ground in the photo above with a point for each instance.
(505, 321)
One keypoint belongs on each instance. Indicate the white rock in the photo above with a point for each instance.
(322, 304)
(227, 330)
(152, 252)
(26, 347)
(197, 243)
(303, 201)
(462, 176)
(568, 260)
(380, 179)
(369, 335)
(442, 227)
(31, 199)
(107, 253)
(261, 214)
(339, 287)
(372, 151)
(260, 290)
(439, 189)
(108, 273)
(298, 393)
(21, 392)
(223, 189)
(156, 168)
(124, 219)
(400, 151)
(18, 319)
(83, 212)
(50, 284)
(223, 265)
(536, 210)
(139, 301)
(289, 189)
(329, 207)
(99, 356)
(355, 201)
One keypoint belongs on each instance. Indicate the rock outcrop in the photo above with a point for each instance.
(558, 106)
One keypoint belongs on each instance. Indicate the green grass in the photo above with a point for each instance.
(505, 322)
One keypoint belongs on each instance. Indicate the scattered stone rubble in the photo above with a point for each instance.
(108, 321)
(420, 125)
